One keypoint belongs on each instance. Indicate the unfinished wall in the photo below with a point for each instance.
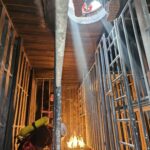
(21, 94)
(32, 105)
(14, 79)
(42, 92)
(115, 94)
(73, 113)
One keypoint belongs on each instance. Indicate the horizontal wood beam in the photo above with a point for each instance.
(41, 53)
(23, 2)
(44, 73)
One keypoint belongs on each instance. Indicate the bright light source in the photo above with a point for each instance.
(93, 6)
(81, 142)
(96, 5)
(73, 142)
(91, 13)
(76, 142)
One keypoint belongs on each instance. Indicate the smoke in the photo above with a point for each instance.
(38, 4)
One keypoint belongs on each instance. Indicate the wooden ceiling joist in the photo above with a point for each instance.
(24, 3)
(39, 40)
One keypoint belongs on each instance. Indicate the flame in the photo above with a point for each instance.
(76, 142)
(81, 142)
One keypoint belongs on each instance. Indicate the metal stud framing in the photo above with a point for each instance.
(113, 102)
(121, 92)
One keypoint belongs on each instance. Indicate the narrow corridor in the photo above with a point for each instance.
(75, 74)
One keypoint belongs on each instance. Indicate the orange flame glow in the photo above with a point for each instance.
(76, 142)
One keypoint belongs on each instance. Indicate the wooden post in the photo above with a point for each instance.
(33, 101)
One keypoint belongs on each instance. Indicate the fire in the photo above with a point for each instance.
(81, 142)
(76, 142)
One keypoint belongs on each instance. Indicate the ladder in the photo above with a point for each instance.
(118, 92)
(122, 72)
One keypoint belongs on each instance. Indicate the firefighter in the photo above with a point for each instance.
(35, 136)
(38, 135)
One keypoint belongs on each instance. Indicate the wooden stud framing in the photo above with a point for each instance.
(32, 108)
(120, 110)
(8, 37)
(21, 94)
(40, 84)
(7, 45)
